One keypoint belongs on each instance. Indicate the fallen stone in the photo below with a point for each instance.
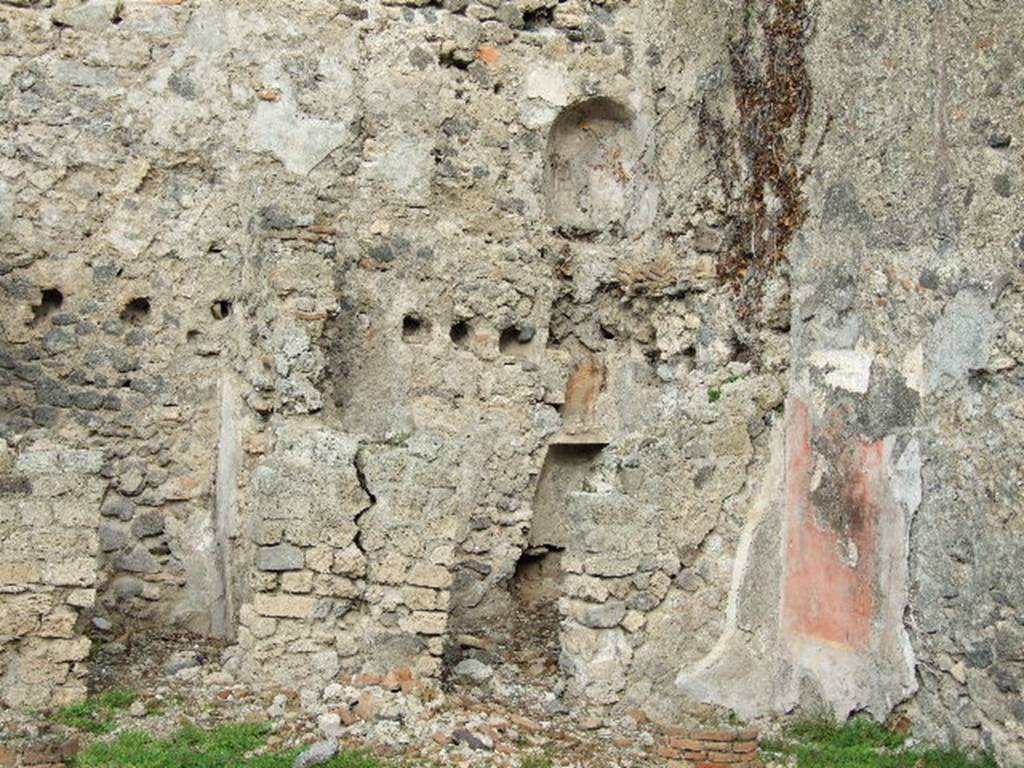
(137, 709)
(329, 724)
(276, 708)
(179, 661)
(318, 753)
(472, 740)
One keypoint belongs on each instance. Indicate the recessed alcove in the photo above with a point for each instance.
(596, 176)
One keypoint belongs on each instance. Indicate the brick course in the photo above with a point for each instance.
(707, 748)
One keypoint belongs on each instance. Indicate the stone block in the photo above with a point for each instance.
(60, 622)
(297, 581)
(349, 561)
(285, 606)
(425, 623)
(21, 615)
(19, 572)
(428, 575)
(282, 557)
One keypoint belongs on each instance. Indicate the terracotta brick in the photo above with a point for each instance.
(667, 752)
(8, 757)
(726, 757)
(363, 680)
(691, 744)
(713, 735)
(744, 746)
(695, 756)
(638, 715)
(747, 734)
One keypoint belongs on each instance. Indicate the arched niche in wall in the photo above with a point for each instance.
(597, 171)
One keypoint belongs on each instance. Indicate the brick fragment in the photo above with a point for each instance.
(726, 757)
(714, 735)
(681, 743)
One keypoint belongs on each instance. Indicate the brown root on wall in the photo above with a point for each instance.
(772, 91)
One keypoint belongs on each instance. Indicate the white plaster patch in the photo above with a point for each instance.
(548, 83)
(912, 369)
(299, 141)
(961, 340)
(405, 166)
(905, 477)
(848, 369)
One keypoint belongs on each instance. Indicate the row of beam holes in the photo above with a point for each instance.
(52, 299)
(134, 312)
(514, 340)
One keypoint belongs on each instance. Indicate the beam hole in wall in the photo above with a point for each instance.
(136, 310)
(596, 172)
(50, 301)
(414, 329)
(516, 340)
(538, 578)
(534, 621)
(460, 333)
(220, 309)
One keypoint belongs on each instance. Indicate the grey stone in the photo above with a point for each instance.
(138, 560)
(181, 660)
(128, 586)
(472, 671)
(113, 537)
(149, 523)
(602, 616)
(318, 753)
(472, 740)
(132, 482)
(281, 557)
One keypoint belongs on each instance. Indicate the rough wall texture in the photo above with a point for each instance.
(48, 548)
(698, 323)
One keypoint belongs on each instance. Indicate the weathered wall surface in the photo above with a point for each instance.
(48, 546)
(707, 315)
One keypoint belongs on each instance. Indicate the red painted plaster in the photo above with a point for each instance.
(831, 557)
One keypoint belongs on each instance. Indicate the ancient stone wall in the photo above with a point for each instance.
(48, 547)
(692, 329)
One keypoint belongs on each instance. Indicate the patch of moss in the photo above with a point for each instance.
(95, 714)
(228, 746)
(861, 743)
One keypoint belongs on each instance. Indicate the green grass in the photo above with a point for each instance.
(191, 747)
(714, 395)
(542, 760)
(95, 714)
(861, 743)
